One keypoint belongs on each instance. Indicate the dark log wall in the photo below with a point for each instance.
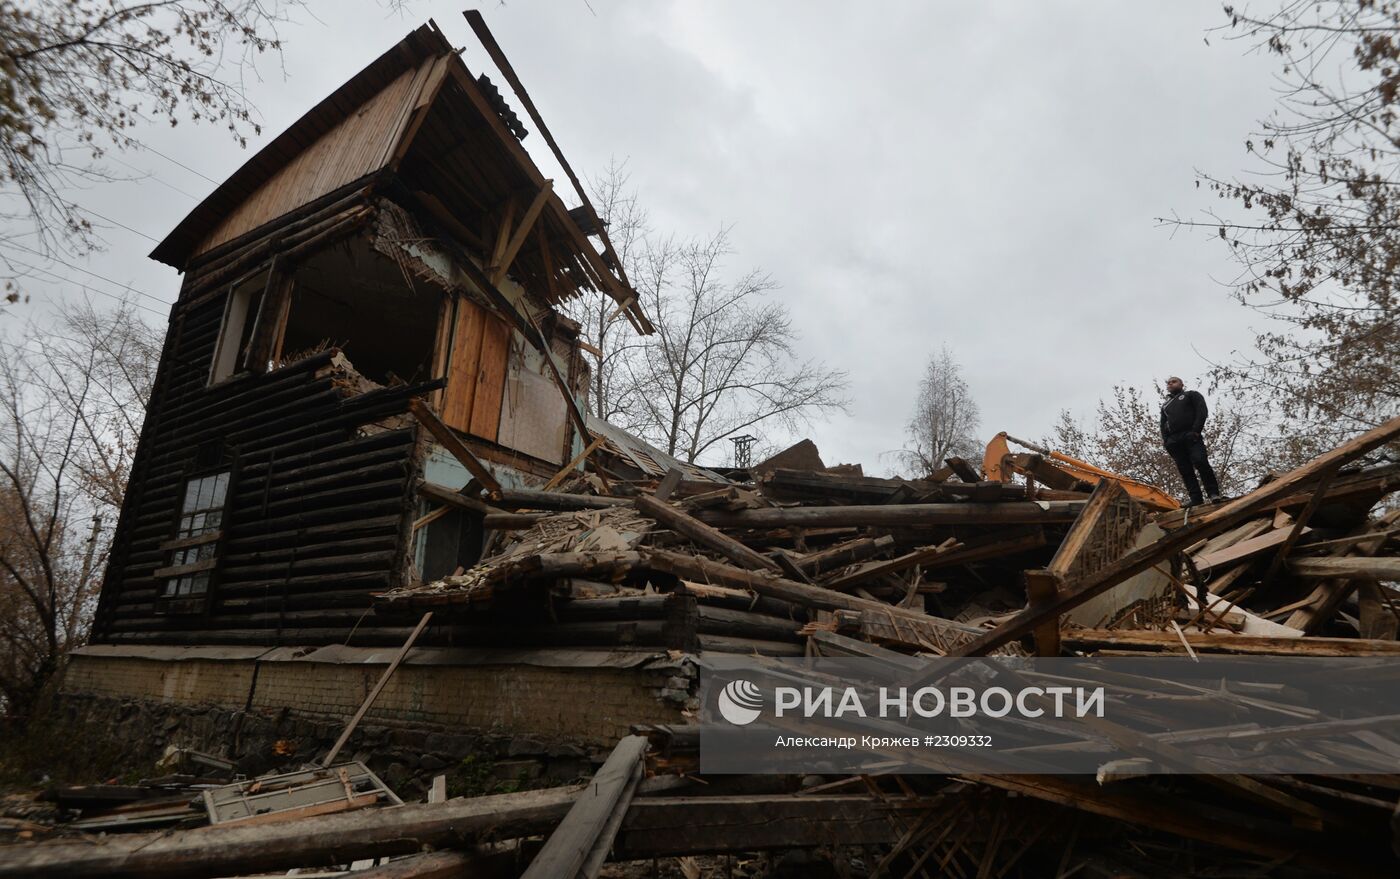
(319, 510)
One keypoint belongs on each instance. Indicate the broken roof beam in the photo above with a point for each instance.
(711, 538)
(1210, 524)
(895, 515)
(448, 439)
(498, 57)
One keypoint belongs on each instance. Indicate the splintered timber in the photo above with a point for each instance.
(935, 701)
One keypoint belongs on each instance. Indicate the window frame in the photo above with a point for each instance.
(195, 555)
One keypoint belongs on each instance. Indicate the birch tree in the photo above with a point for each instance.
(945, 418)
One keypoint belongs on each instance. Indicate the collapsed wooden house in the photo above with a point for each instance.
(369, 409)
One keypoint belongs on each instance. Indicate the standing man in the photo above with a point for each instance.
(1183, 419)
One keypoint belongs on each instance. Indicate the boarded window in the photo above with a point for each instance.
(193, 552)
(476, 371)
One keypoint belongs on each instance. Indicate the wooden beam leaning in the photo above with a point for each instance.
(488, 42)
(449, 440)
(503, 261)
(324, 840)
(703, 534)
(568, 468)
(1211, 523)
(374, 694)
(592, 823)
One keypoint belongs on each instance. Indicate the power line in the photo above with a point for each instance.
(79, 207)
(156, 177)
(84, 287)
(43, 255)
(149, 148)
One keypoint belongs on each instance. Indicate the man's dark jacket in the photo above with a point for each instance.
(1183, 413)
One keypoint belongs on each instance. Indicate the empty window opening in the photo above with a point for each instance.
(240, 314)
(363, 303)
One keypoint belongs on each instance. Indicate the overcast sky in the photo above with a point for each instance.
(911, 174)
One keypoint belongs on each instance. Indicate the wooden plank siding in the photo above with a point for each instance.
(476, 371)
(363, 142)
(317, 515)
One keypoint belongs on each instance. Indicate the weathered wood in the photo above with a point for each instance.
(568, 468)
(320, 841)
(449, 440)
(501, 265)
(1299, 525)
(1097, 639)
(1326, 596)
(946, 554)
(894, 515)
(374, 693)
(964, 471)
(690, 527)
(534, 499)
(1207, 525)
(1346, 566)
(934, 634)
(846, 553)
(666, 826)
(1245, 549)
(584, 828)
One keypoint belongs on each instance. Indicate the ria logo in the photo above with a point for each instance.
(740, 702)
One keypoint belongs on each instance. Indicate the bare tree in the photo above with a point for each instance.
(1316, 226)
(79, 76)
(1124, 437)
(945, 418)
(71, 401)
(612, 394)
(722, 359)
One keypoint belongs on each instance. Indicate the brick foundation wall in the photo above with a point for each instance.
(590, 705)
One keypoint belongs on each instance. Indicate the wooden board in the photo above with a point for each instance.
(361, 143)
(490, 379)
(462, 365)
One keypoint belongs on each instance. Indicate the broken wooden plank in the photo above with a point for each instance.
(846, 553)
(449, 440)
(711, 538)
(1097, 639)
(964, 471)
(321, 841)
(501, 265)
(1346, 566)
(946, 554)
(891, 515)
(1296, 531)
(1328, 595)
(374, 693)
(583, 832)
(1245, 549)
(1207, 525)
(568, 468)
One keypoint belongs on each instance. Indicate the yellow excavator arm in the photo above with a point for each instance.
(1057, 470)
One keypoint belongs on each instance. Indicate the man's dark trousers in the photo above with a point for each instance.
(1188, 450)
